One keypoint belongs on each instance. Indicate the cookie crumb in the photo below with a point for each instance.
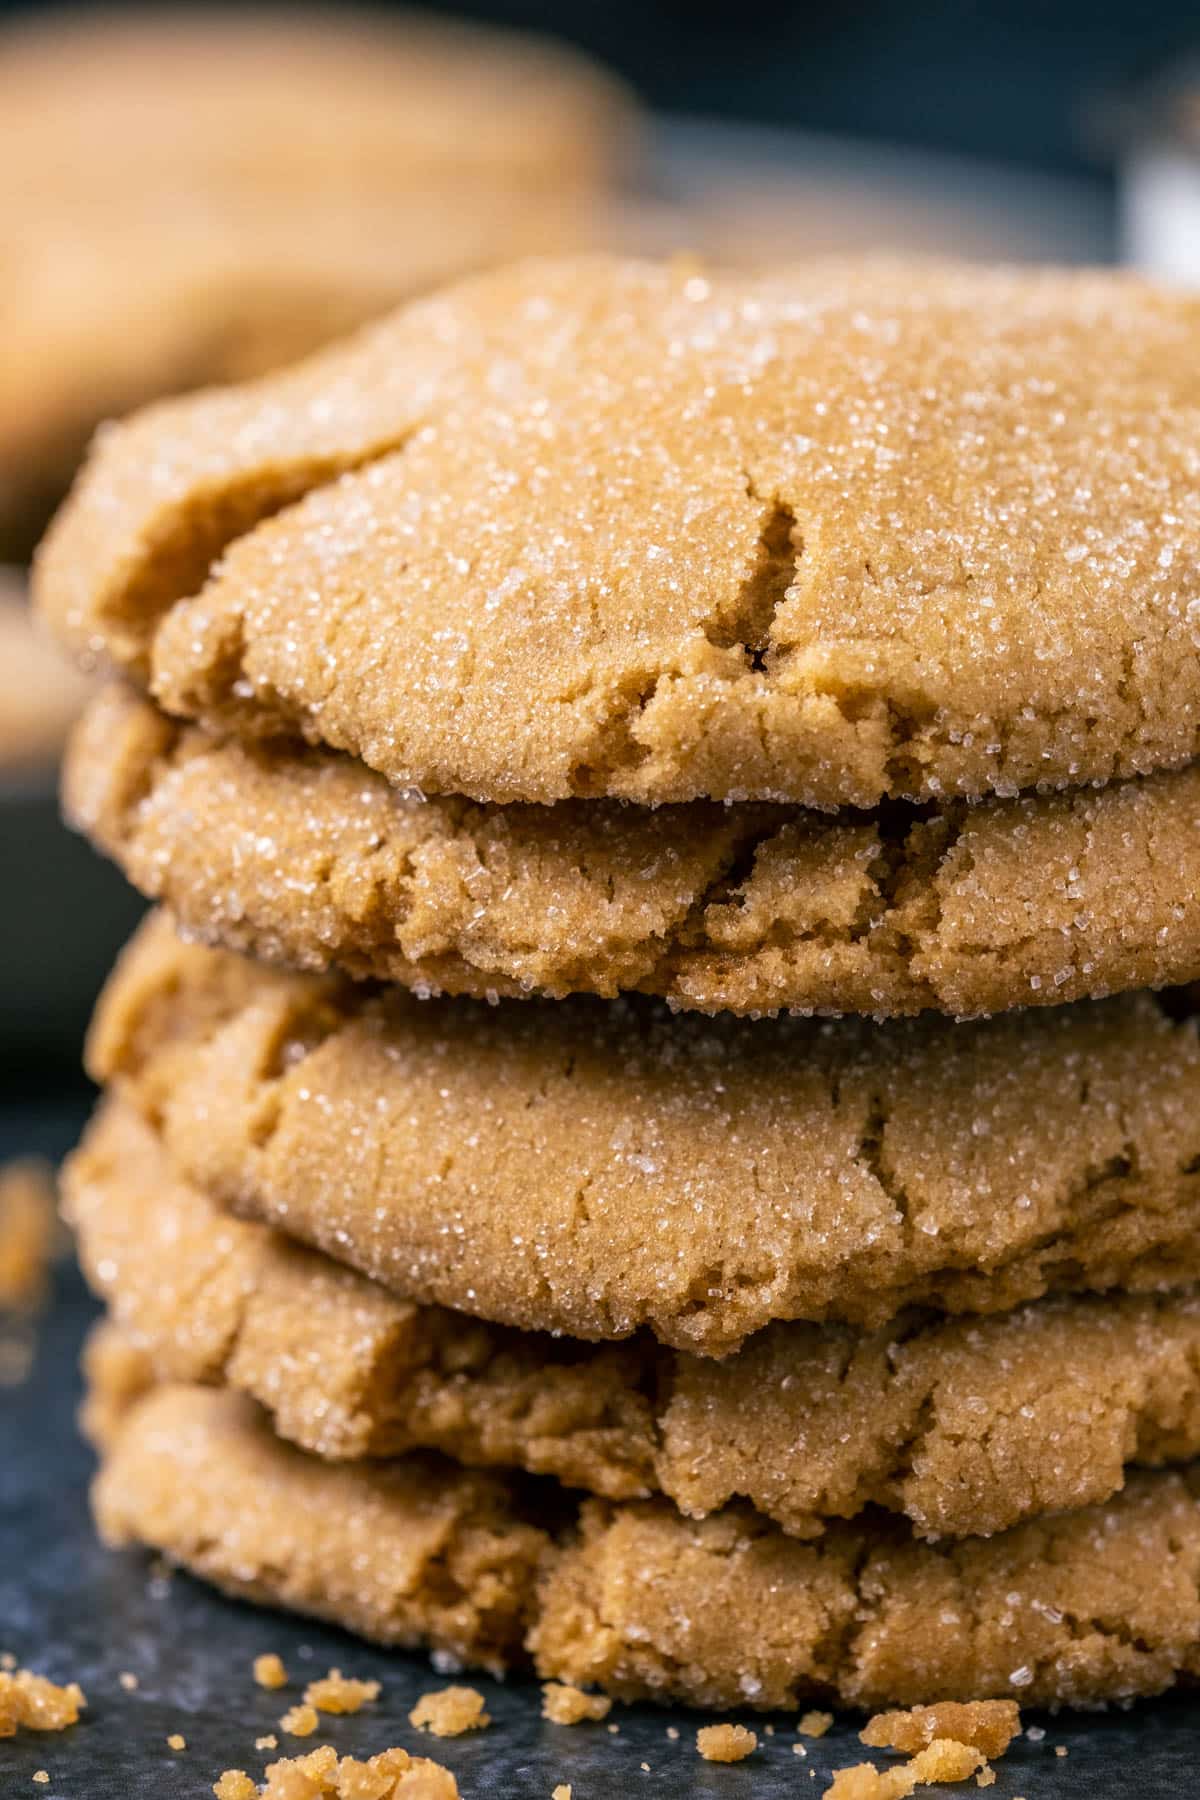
(725, 1743)
(1061, 1750)
(815, 1724)
(562, 1791)
(322, 1775)
(234, 1784)
(673, 1733)
(269, 1671)
(563, 1704)
(28, 1232)
(941, 1761)
(986, 1777)
(42, 1776)
(267, 1743)
(8, 1661)
(177, 1741)
(299, 1721)
(37, 1704)
(128, 1681)
(799, 1750)
(449, 1712)
(987, 1725)
(338, 1693)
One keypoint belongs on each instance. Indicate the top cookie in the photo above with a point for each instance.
(599, 528)
(201, 199)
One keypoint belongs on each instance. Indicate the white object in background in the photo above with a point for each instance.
(1160, 212)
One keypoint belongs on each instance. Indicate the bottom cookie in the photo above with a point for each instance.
(1096, 1605)
(413, 1552)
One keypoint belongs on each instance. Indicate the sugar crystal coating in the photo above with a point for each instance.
(592, 527)
(596, 1168)
(308, 858)
(965, 1426)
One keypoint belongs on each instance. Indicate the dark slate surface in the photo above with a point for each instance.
(76, 1612)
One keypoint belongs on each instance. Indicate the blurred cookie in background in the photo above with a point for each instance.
(40, 691)
(202, 198)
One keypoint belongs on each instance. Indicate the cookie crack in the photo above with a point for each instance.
(748, 624)
(869, 1154)
(180, 557)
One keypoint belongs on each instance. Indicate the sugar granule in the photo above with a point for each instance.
(815, 1724)
(987, 1725)
(564, 1704)
(128, 1681)
(449, 1712)
(37, 1704)
(269, 1671)
(299, 1721)
(338, 1693)
(725, 1743)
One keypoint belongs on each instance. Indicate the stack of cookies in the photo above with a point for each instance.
(540, 716)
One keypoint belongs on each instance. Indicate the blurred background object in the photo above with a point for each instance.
(202, 196)
(40, 692)
(1156, 131)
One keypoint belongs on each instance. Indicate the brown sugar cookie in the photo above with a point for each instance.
(598, 528)
(595, 1167)
(1087, 1606)
(346, 1369)
(414, 1552)
(199, 199)
(306, 857)
(1096, 1605)
(965, 1426)
(40, 692)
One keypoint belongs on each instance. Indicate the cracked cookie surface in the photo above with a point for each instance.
(594, 1167)
(1094, 1605)
(594, 528)
(964, 1426)
(307, 858)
